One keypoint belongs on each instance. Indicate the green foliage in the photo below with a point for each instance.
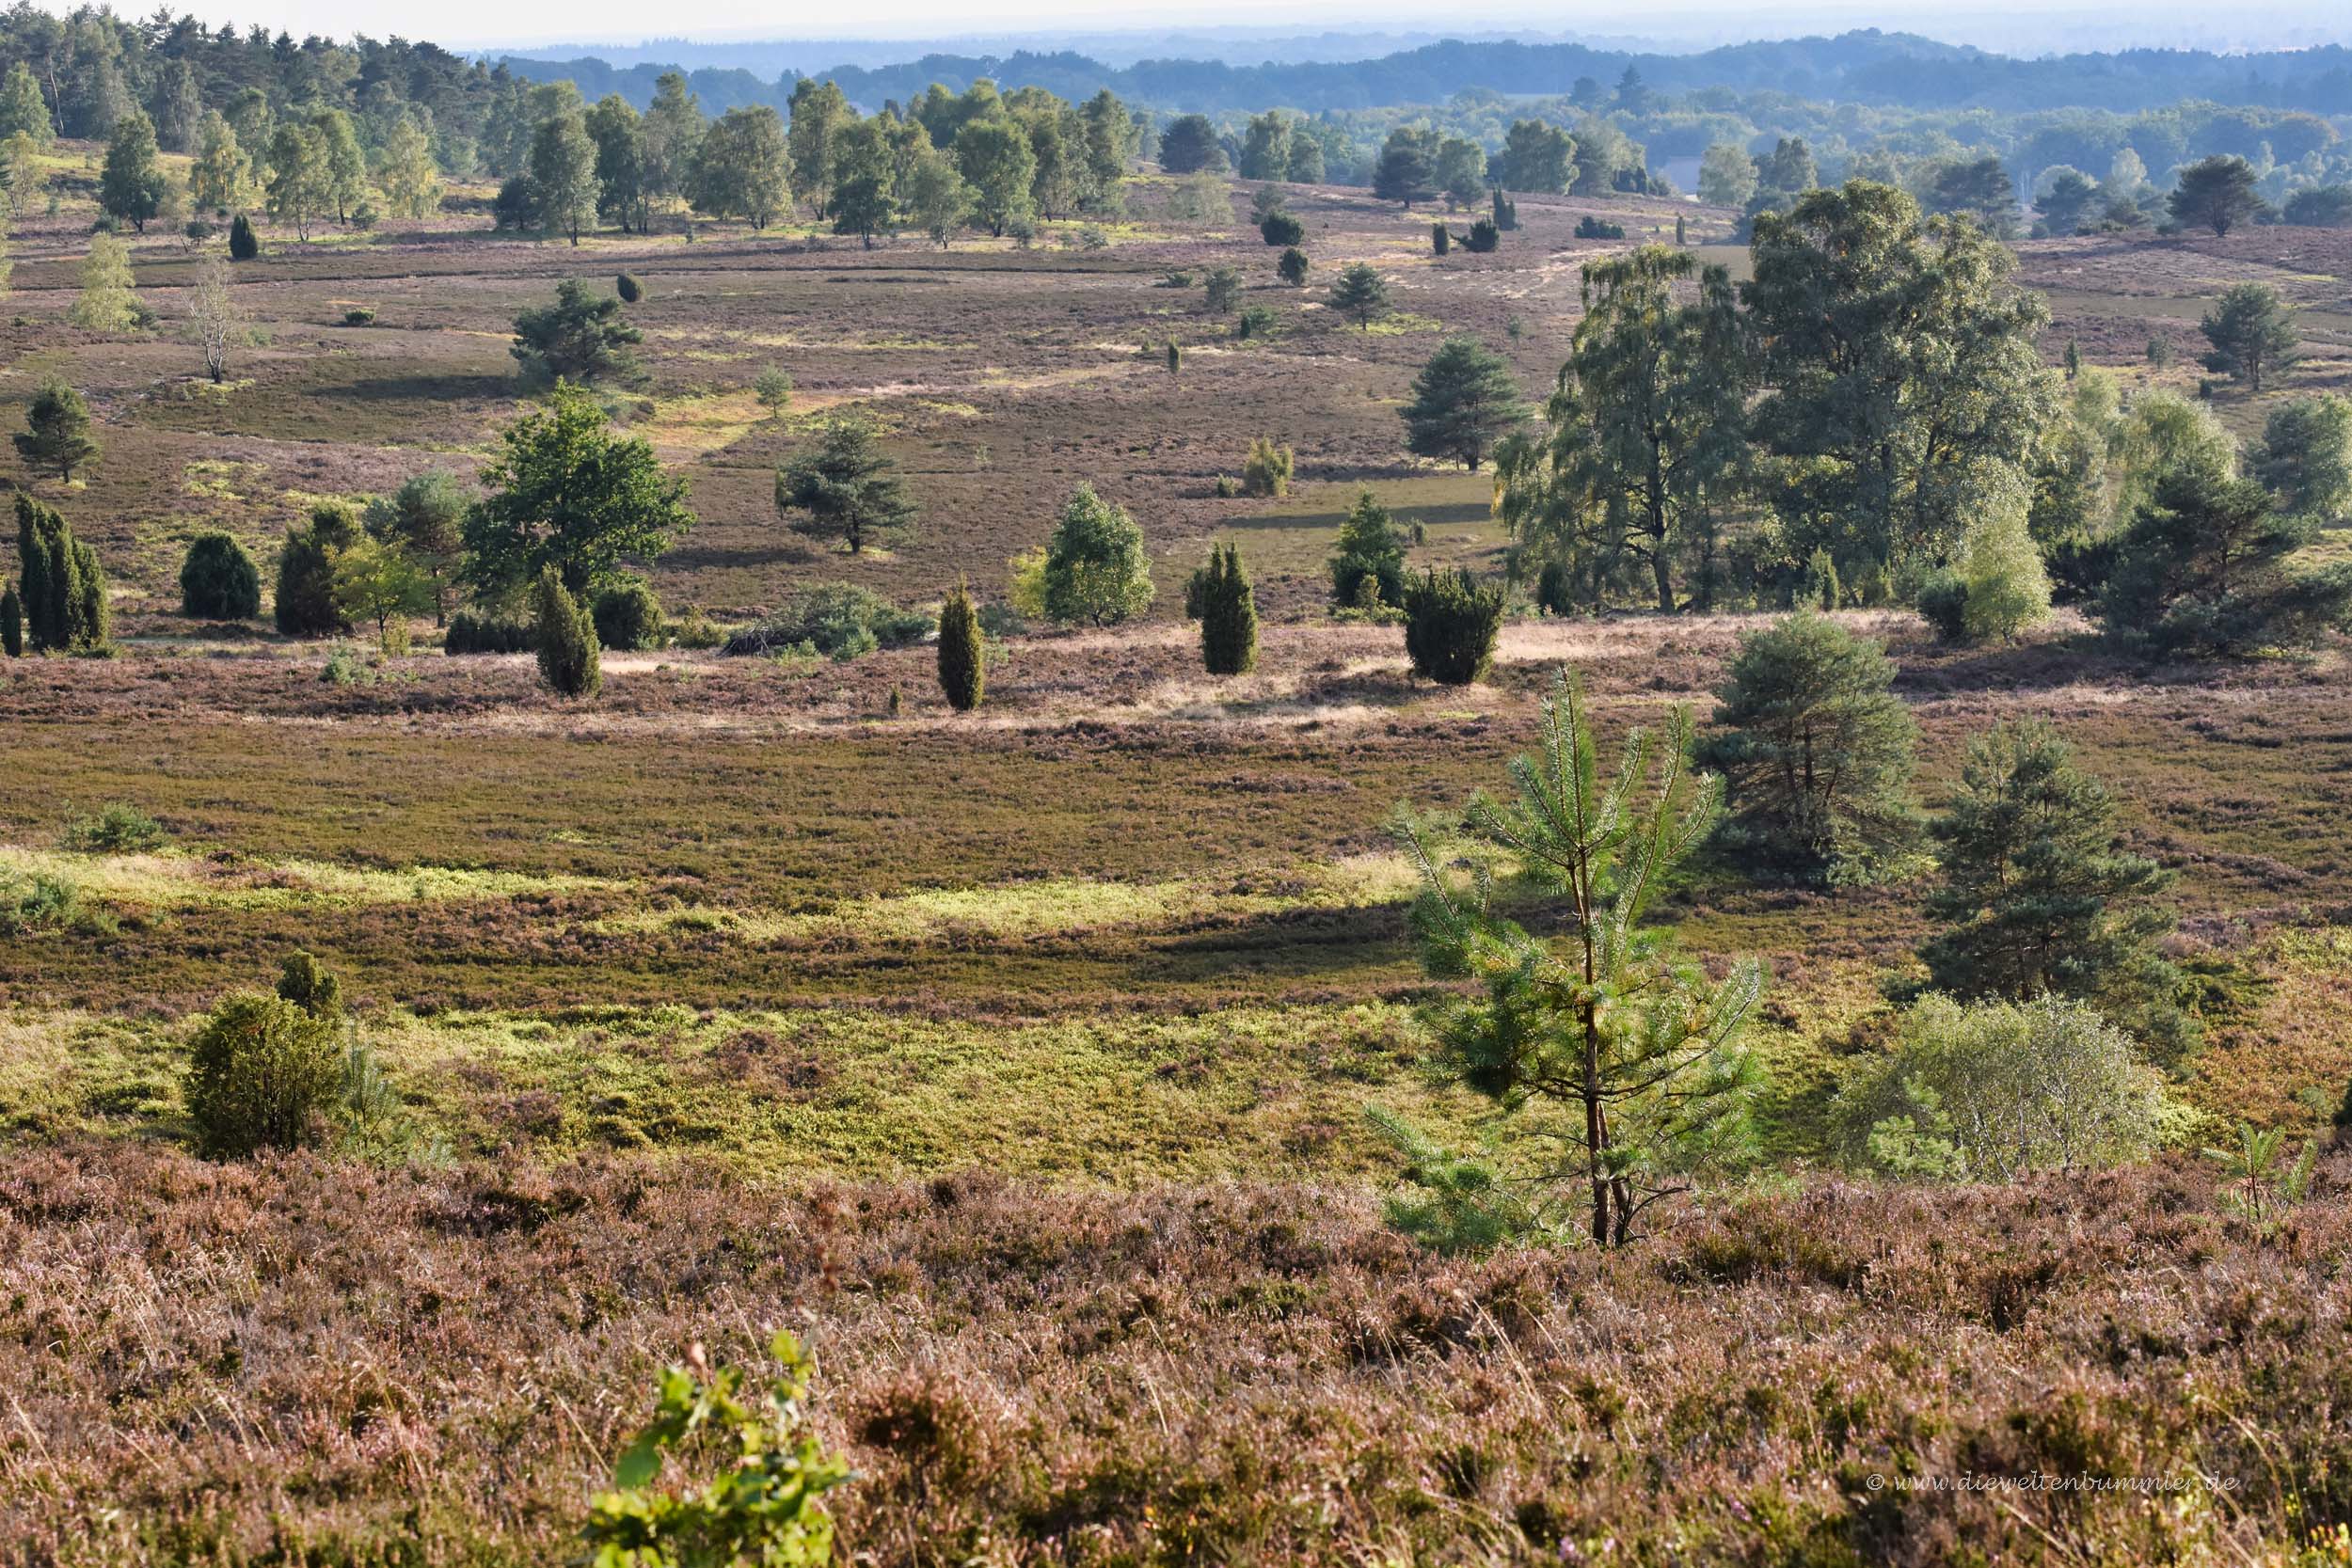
(626, 615)
(2305, 459)
(243, 244)
(2035, 897)
(40, 901)
(1449, 626)
(1281, 228)
(2004, 589)
(310, 985)
(1095, 568)
(848, 488)
(472, 631)
(108, 301)
(426, 518)
(1292, 268)
(1646, 431)
(2252, 332)
(119, 827)
(1256, 321)
(63, 588)
(1266, 471)
(1441, 238)
(1463, 401)
(219, 580)
(772, 386)
(582, 338)
(565, 637)
(1229, 614)
(2215, 193)
(838, 620)
(1455, 1203)
(1590, 228)
(57, 430)
(263, 1073)
(1613, 1059)
(1819, 588)
(2205, 571)
(1905, 390)
(306, 604)
(1483, 237)
(628, 288)
(1360, 293)
(1816, 753)
(565, 491)
(1367, 559)
(131, 184)
(762, 1503)
(1555, 592)
(1536, 157)
(11, 622)
(1943, 603)
(2259, 1188)
(962, 654)
(1997, 1091)
(1221, 290)
(375, 581)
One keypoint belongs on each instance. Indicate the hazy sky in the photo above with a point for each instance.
(2008, 25)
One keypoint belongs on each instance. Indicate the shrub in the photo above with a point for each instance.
(2000, 1090)
(482, 631)
(40, 901)
(1554, 588)
(1483, 238)
(580, 338)
(2206, 570)
(1292, 268)
(306, 572)
(763, 1506)
(628, 616)
(629, 289)
(263, 1073)
(1819, 588)
(1266, 471)
(1818, 752)
(963, 663)
(220, 580)
(773, 387)
(1257, 320)
(1280, 228)
(695, 629)
(1449, 626)
(1367, 559)
(1943, 603)
(1227, 487)
(310, 985)
(11, 622)
(1590, 228)
(119, 827)
(243, 244)
(565, 638)
(57, 434)
(1221, 290)
(358, 315)
(1440, 239)
(839, 620)
(1229, 615)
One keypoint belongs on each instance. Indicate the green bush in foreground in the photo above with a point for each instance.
(263, 1073)
(1449, 626)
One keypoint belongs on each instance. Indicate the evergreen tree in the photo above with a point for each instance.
(2215, 193)
(1647, 426)
(848, 488)
(1189, 144)
(107, 302)
(2252, 332)
(1406, 171)
(2204, 571)
(426, 519)
(22, 109)
(57, 430)
(1360, 293)
(1291, 267)
(1816, 752)
(64, 590)
(564, 639)
(1095, 568)
(1463, 401)
(131, 186)
(2034, 896)
(1622, 1054)
(243, 244)
(220, 580)
(1367, 559)
(1449, 626)
(963, 656)
(11, 622)
(1536, 157)
(1440, 239)
(306, 605)
(1229, 615)
(582, 338)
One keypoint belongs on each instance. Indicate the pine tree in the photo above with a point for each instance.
(1367, 559)
(58, 436)
(848, 489)
(1360, 293)
(1817, 750)
(1463, 401)
(2035, 897)
(306, 573)
(2204, 570)
(565, 637)
(962, 661)
(2252, 332)
(1229, 615)
(130, 186)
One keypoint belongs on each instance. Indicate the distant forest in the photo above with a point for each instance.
(1867, 67)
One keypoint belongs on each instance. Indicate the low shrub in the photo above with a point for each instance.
(629, 289)
(839, 620)
(1591, 227)
(483, 631)
(1280, 228)
(358, 315)
(220, 580)
(626, 614)
(38, 901)
(1449, 626)
(1266, 471)
(263, 1073)
(1944, 604)
(116, 828)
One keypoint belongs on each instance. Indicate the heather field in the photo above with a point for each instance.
(1020, 1059)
